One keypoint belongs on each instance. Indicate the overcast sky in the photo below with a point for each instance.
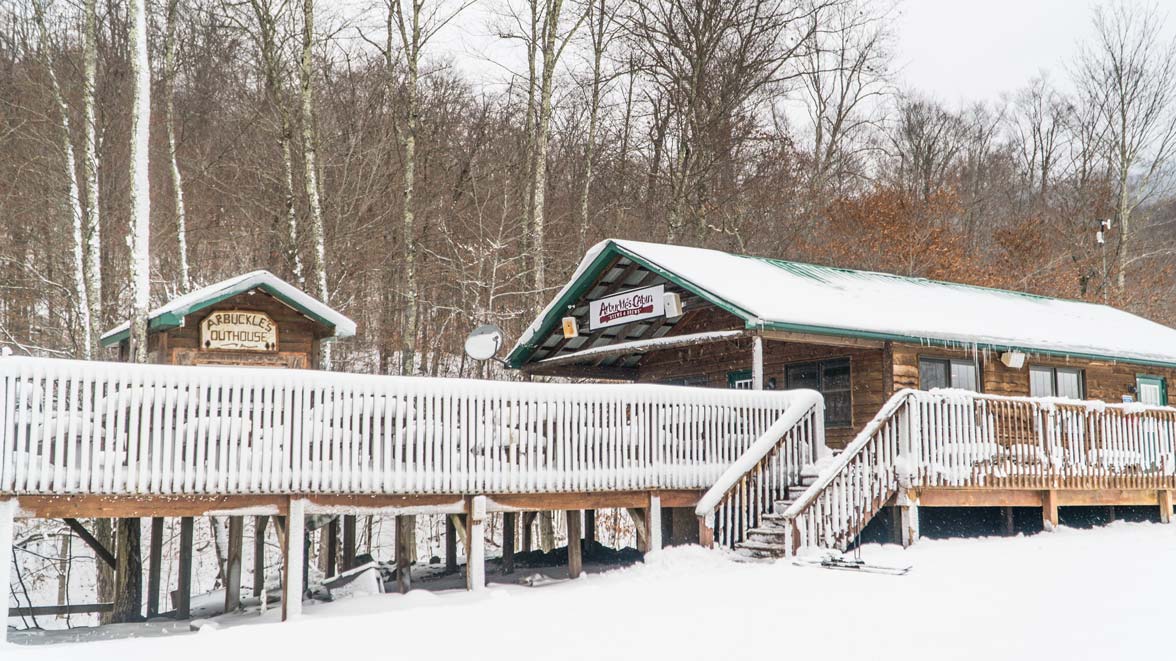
(956, 51)
(960, 50)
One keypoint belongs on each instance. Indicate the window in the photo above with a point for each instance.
(831, 378)
(1056, 382)
(740, 380)
(948, 373)
(1151, 390)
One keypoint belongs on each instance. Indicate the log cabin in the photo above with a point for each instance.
(857, 337)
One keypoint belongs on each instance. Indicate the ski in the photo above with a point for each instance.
(859, 566)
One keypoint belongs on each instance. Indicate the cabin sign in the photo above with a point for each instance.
(239, 330)
(629, 306)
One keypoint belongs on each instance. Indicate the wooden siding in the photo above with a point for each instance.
(711, 363)
(1105, 380)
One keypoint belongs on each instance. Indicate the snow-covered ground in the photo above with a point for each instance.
(1103, 594)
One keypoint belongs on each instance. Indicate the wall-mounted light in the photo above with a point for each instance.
(571, 327)
(1013, 359)
(673, 305)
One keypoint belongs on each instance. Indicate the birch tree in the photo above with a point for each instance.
(73, 201)
(92, 231)
(408, 20)
(1128, 75)
(128, 574)
(600, 32)
(169, 98)
(310, 165)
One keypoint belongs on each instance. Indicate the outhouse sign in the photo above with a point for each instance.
(239, 330)
(629, 306)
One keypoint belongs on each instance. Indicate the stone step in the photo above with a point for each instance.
(764, 548)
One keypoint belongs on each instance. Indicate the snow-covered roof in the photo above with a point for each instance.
(773, 294)
(172, 313)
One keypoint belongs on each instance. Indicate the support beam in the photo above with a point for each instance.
(233, 563)
(7, 532)
(637, 514)
(295, 559)
(101, 551)
(405, 526)
(895, 513)
(508, 542)
(154, 560)
(348, 541)
(528, 539)
(450, 545)
(1164, 498)
(183, 605)
(259, 525)
(706, 533)
(653, 524)
(1049, 510)
(590, 526)
(476, 543)
(908, 503)
(575, 544)
(329, 568)
(1010, 526)
(757, 363)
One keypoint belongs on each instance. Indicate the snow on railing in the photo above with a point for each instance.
(955, 438)
(113, 428)
(762, 474)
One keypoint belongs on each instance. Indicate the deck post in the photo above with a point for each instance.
(508, 542)
(154, 560)
(292, 586)
(528, 520)
(450, 544)
(757, 363)
(259, 524)
(328, 564)
(575, 544)
(590, 525)
(1009, 521)
(233, 563)
(908, 503)
(653, 524)
(7, 532)
(706, 532)
(405, 523)
(183, 605)
(1164, 498)
(476, 543)
(348, 541)
(1049, 510)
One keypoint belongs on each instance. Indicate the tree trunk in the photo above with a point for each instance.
(92, 231)
(169, 93)
(310, 165)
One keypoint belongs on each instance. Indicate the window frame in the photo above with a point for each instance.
(822, 365)
(1053, 372)
(949, 361)
(736, 377)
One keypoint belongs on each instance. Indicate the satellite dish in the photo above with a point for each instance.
(484, 342)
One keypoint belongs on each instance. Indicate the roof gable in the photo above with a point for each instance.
(776, 294)
(172, 313)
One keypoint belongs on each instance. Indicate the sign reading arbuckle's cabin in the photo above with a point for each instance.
(629, 306)
(239, 330)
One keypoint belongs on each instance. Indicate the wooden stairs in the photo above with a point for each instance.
(773, 537)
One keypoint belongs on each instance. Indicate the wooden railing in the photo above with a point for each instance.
(74, 427)
(751, 485)
(961, 439)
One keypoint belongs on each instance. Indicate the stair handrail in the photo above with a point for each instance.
(806, 406)
(896, 402)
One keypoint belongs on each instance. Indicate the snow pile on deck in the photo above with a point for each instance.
(1073, 594)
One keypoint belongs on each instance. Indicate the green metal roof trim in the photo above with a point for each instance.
(171, 314)
(973, 317)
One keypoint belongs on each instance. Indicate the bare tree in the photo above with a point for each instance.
(92, 229)
(310, 165)
(1128, 76)
(169, 111)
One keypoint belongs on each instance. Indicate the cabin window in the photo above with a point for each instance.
(740, 380)
(831, 378)
(1066, 382)
(948, 373)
